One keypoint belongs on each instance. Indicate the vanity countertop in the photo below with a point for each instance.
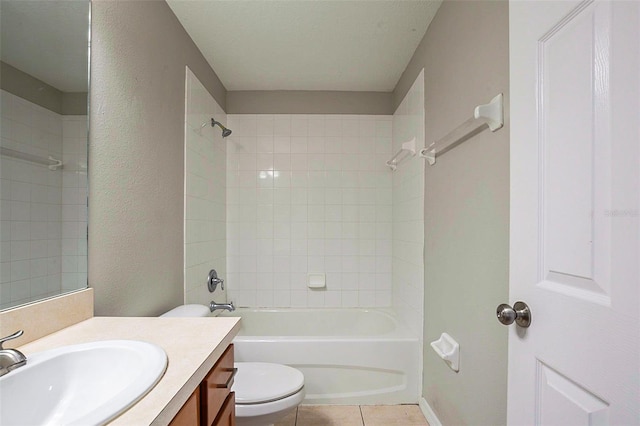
(193, 345)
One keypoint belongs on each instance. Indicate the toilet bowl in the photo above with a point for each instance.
(265, 392)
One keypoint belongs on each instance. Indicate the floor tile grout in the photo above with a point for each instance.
(304, 420)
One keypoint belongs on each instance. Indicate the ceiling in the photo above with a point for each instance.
(348, 45)
(47, 40)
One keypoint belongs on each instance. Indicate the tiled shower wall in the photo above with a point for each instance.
(74, 202)
(408, 211)
(309, 194)
(30, 203)
(205, 177)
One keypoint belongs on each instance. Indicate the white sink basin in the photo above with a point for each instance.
(87, 384)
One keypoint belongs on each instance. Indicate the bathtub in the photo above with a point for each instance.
(348, 356)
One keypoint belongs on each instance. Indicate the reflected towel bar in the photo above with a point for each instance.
(52, 163)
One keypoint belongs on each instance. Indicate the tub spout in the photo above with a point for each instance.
(213, 306)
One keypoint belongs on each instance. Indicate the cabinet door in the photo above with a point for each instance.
(189, 414)
(227, 415)
(216, 386)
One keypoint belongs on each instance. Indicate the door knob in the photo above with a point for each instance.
(520, 313)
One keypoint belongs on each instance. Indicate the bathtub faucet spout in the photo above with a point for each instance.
(213, 306)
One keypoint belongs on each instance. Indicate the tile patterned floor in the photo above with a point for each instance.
(354, 415)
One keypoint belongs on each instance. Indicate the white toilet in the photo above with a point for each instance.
(265, 392)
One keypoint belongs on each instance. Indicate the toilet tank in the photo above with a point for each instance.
(186, 311)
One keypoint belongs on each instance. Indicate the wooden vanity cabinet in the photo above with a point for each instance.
(212, 403)
(189, 414)
(215, 392)
(227, 414)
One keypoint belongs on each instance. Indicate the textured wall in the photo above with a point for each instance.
(308, 102)
(30, 88)
(465, 56)
(40, 93)
(136, 156)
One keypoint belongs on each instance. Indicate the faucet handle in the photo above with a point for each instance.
(213, 281)
(11, 337)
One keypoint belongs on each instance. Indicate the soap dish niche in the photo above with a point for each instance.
(316, 280)
(449, 350)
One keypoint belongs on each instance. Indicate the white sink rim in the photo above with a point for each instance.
(152, 358)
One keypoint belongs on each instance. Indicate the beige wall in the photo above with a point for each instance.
(136, 156)
(74, 103)
(308, 102)
(25, 86)
(465, 55)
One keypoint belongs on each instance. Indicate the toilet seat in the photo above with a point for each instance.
(261, 382)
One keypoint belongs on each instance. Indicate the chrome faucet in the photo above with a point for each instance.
(10, 359)
(213, 281)
(213, 306)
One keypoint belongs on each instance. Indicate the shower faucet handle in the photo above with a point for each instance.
(213, 281)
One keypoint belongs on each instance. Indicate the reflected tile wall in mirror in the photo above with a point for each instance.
(43, 226)
(43, 109)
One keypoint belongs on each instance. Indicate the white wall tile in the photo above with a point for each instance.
(405, 212)
(316, 171)
(209, 167)
(40, 195)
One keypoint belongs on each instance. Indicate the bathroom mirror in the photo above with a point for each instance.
(44, 79)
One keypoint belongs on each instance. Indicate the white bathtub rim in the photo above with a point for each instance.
(401, 331)
(387, 311)
(395, 349)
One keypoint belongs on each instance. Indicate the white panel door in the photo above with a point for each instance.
(575, 191)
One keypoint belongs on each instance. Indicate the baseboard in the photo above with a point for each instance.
(429, 414)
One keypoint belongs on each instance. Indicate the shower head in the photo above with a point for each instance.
(225, 132)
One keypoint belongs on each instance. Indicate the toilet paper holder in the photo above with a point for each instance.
(449, 350)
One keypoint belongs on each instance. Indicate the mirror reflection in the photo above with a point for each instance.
(43, 162)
